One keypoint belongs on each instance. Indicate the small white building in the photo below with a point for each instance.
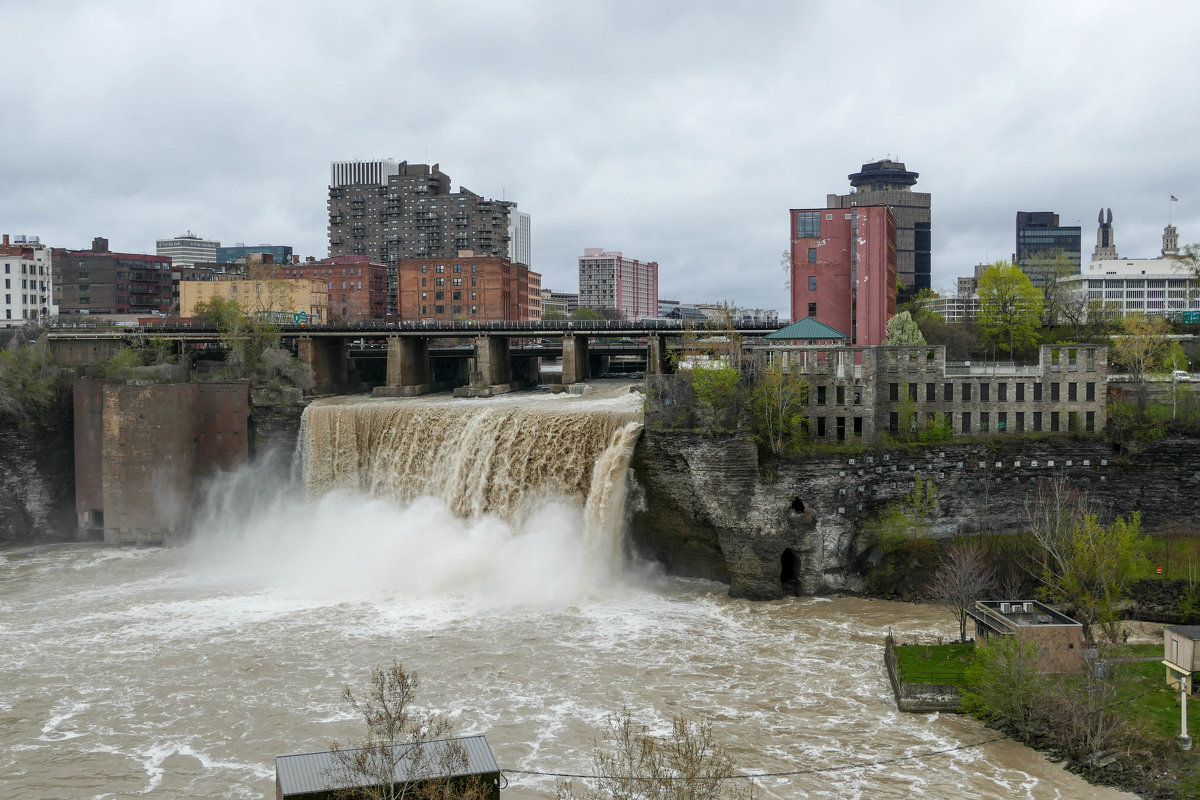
(188, 250)
(28, 291)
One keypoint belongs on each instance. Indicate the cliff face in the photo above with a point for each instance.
(37, 479)
(705, 507)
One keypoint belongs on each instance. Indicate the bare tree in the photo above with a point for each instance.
(397, 761)
(963, 576)
(687, 764)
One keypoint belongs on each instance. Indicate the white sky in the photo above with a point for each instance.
(675, 132)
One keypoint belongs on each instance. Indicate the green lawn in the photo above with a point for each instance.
(934, 663)
(1152, 705)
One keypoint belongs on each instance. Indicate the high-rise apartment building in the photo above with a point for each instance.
(99, 281)
(467, 286)
(520, 250)
(607, 279)
(889, 183)
(388, 210)
(1046, 250)
(843, 269)
(28, 281)
(188, 250)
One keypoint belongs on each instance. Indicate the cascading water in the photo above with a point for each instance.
(478, 457)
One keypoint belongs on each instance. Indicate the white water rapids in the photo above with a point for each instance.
(183, 672)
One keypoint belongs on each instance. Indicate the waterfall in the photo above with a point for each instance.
(501, 458)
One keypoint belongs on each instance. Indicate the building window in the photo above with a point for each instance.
(812, 283)
(1001, 421)
(841, 396)
(1054, 393)
(808, 224)
(812, 256)
(1037, 419)
(858, 428)
(1091, 421)
(841, 429)
(439, 281)
(821, 427)
(948, 393)
(812, 309)
(1090, 394)
(966, 392)
(439, 295)
(1020, 420)
(1037, 395)
(1072, 392)
(858, 395)
(1002, 392)
(440, 268)
(1021, 392)
(983, 421)
(930, 392)
(985, 391)
(966, 422)
(820, 395)
(894, 392)
(1054, 421)
(893, 422)
(439, 309)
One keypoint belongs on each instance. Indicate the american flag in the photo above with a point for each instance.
(1174, 199)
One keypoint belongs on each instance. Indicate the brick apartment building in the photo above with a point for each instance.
(467, 286)
(99, 281)
(357, 286)
(843, 269)
(609, 280)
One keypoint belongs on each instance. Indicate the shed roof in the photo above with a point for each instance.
(307, 773)
(807, 328)
(1186, 631)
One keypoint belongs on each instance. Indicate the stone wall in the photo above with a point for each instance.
(706, 507)
(37, 478)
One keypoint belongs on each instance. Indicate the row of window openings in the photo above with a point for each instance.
(985, 421)
(40, 269)
(985, 392)
(31, 299)
(32, 284)
(442, 282)
(442, 309)
(442, 296)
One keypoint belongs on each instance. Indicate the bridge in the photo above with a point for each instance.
(488, 358)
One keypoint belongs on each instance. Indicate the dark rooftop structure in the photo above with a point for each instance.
(316, 776)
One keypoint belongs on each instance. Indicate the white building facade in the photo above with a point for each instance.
(188, 250)
(1159, 286)
(520, 250)
(25, 268)
(607, 279)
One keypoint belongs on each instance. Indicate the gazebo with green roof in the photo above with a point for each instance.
(808, 331)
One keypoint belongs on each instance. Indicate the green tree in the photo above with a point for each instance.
(1189, 262)
(778, 401)
(1084, 563)
(718, 393)
(1140, 349)
(28, 380)
(1056, 297)
(902, 329)
(553, 315)
(584, 315)
(1005, 685)
(392, 764)
(1010, 307)
(686, 764)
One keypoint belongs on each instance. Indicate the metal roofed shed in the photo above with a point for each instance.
(319, 776)
(1181, 653)
(1059, 639)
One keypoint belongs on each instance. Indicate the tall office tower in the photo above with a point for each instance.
(609, 280)
(519, 248)
(889, 183)
(28, 290)
(187, 250)
(843, 269)
(1041, 243)
(388, 210)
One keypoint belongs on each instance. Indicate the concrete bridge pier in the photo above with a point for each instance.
(408, 369)
(83, 352)
(656, 355)
(326, 357)
(574, 359)
(527, 369)
(493, 373)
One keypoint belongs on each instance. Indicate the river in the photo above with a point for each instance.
(183, 672)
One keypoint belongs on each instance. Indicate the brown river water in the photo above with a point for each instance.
(183, 672)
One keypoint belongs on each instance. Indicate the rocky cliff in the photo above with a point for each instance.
(706, 506)
(37, 478)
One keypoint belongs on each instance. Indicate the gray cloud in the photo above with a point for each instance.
(675, 132)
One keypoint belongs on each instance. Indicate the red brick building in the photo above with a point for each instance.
(467, 286)
(843, 269)
(357, 285)
(99, 281)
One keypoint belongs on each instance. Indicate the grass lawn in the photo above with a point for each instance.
(934, 663)
(1156, 710)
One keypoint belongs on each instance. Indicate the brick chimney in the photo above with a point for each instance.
(99, 245)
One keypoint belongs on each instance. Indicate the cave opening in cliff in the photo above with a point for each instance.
(789, 569)
(798, 505)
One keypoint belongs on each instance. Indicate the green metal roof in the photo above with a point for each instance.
(807, 328)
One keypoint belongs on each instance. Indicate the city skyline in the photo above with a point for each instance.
(729, 120)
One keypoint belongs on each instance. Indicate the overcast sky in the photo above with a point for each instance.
(675, 132)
